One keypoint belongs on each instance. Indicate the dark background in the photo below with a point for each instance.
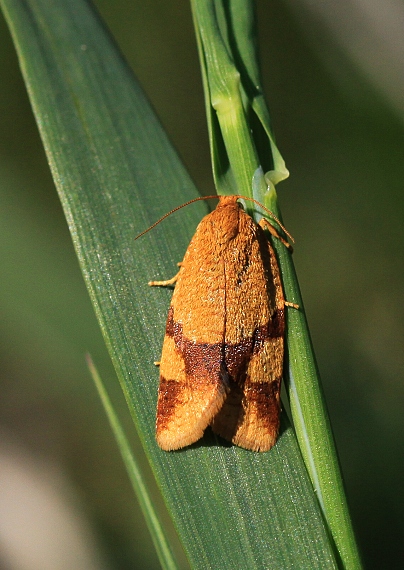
(334, 82)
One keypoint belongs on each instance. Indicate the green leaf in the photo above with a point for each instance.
(235, 106)
(116, 173)
(157, 532)
(240, 135)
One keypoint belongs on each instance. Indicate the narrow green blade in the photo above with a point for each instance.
(160, 541)
(242, 141)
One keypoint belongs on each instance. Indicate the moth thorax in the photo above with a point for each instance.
(225, 223)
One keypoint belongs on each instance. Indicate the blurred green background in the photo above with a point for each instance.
(334, 82)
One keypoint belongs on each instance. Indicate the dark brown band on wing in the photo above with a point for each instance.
(248, 410)
(214, 360)
(264, 397)
(173, 395)
(169, 399)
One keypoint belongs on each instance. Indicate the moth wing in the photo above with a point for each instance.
(251, 413)
(186, 403)
(192, 380)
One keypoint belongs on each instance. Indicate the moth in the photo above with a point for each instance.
(223, 351)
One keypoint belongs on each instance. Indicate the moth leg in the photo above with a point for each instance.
(167, 282)
(267, 226)
(293, 305)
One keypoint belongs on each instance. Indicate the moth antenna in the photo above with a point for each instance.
(216, 196)
(268, 212)
(174, 210)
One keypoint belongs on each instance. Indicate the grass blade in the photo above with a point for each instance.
(233, 90)
(159, 539)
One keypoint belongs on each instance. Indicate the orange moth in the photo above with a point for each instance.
(222, 357)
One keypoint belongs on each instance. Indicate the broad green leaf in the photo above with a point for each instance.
(116, 173)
